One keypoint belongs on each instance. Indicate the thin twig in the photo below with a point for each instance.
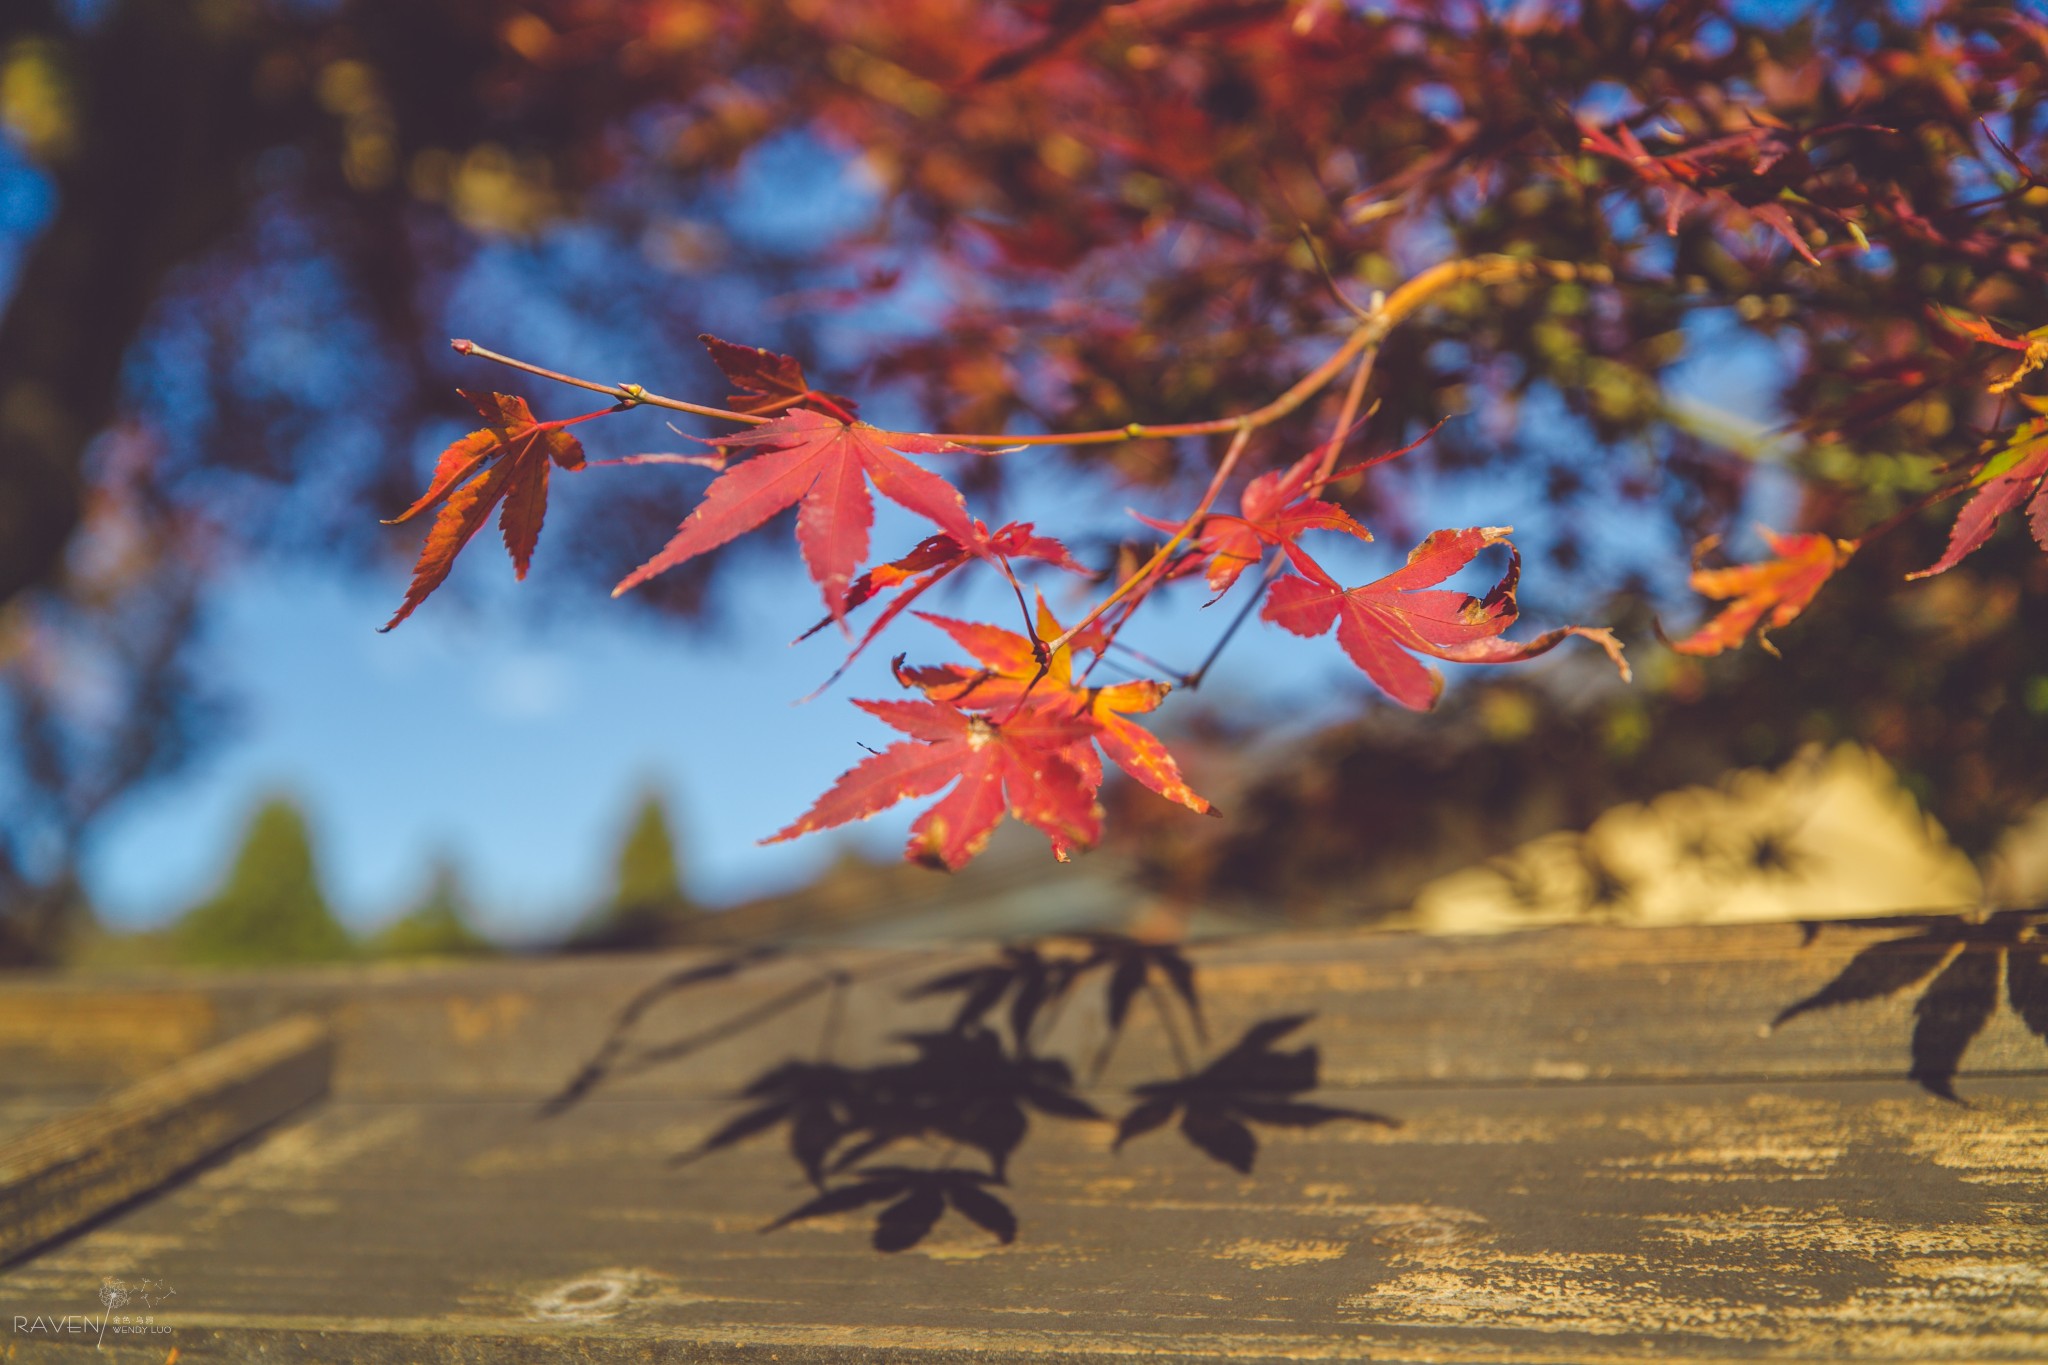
(629, 395)
(1353, 397)
(1330, 281)
(1272, 571)
(1160, 556)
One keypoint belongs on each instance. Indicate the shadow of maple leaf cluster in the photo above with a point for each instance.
(1963, 961)
(970, 1089)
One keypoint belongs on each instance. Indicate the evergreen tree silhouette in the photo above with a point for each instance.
(270, 908)
(648, 904)
(438, 926)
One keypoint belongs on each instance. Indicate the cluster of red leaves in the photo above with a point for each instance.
(1015, 735)
(1768, 595)
(1020, 732)
(1274, 510)
(1697, 176)
(1379, 621)
(930, 561)
(2011, 478)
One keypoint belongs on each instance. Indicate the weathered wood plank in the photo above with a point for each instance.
(1604, 1155)
(85, 1034)
(1806, 1219)
(1548, 1006)
(75, 1167)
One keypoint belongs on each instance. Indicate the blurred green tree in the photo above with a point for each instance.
(648, 903)
(270, 909)
(441, 925)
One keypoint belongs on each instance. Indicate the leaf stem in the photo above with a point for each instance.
(1271, 572)
(631, 395)
(1129, 585)
(1353, 397)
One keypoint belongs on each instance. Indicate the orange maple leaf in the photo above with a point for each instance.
(1781, 586)
(1009, 675)
(505, 461)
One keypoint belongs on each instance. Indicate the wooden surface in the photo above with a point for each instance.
(90, 1158)
(1602, 1154)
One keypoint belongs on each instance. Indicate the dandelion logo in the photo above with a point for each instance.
(115, 1295)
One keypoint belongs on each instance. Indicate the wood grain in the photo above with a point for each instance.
(75, 1167)
(1792, 1220)
(1547, 1006)
(1603, 1155)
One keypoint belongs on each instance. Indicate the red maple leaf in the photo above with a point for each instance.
(1009, 676)
(826, 464)
(2012, 477)
(1378, 624)
(1015, 765)
(506, 461)
(1781, 586)
(1275, 509)
(929, 561)
(767, 382)
(1686, 177)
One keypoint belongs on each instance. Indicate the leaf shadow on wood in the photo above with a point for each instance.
(1251, 1082)
(971, 1087)
(1961, 960)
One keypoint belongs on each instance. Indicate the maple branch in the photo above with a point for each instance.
(1361, 346)
(1160, 556)
(1384, 315)
(1347, 414)
(628, 395)
(1353, 396)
